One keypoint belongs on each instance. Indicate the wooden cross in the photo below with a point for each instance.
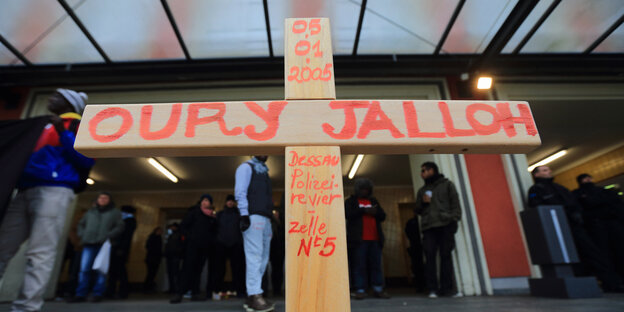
(312, 128)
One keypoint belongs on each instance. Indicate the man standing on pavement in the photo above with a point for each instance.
(45, 190)
(364, 233)
(174, 250)
(437, 202)
(120, 252)
(255, 201)
(600, 216)
(547, 192)
(230, 246)
(101, 223)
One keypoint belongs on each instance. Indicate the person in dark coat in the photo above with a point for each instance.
(174, 251)
(154, 246)
(415, 251)
(437, 202)
(364, 216)
(546, 192)
(199, 228)
(278, 249)
(601, 209)
(120, 252)
(230, 246)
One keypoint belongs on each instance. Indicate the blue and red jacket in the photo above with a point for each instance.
(54, 161)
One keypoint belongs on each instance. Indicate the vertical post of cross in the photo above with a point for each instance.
(316, 248)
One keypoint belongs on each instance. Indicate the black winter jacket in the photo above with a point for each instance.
(229, 233)
(597, 202)
(199, 229)
(353, 214)
(546, 192)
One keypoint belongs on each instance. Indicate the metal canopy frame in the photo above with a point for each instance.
(174, 25)
(604, 36)
(449, 26)
(535, 27)
(491, 60)
(506, 31)
(84, 30)
(16, 52)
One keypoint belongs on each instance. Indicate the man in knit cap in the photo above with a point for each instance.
(54, 172)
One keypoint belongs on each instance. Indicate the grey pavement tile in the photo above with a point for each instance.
(398, 304)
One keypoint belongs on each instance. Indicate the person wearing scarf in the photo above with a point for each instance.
(437, 202)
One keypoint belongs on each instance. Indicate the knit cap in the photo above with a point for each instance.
(78, 100)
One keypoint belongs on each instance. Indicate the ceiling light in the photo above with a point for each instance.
(484, 83)
(547, 160)
(162, 169)
(356, 165)
(90, 181)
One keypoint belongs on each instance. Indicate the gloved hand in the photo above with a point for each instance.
(244, 223)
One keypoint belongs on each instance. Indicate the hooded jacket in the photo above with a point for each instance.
(54, 161)
(353, 214)
(444, 206)
(99, 224)
(199, 229)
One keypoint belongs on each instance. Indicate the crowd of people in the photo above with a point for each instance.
(249, 231)
(596, 219)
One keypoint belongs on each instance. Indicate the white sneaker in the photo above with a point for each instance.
(216, 296)
(187, 295)
(458, 295)
(433, 295)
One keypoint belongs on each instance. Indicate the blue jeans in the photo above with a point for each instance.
(86, 263)
(367, 263)
(257, 243)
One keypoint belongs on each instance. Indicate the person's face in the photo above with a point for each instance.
(363, 193)
(426, 172)
(588, 179)
(230, 204)
(543, 172)
(158, 231)
(58, 105)
(205, 204)
(103, 200)
(262, 158)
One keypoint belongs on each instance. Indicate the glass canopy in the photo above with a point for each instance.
(406, 27)
(574, 25)
(92, 31)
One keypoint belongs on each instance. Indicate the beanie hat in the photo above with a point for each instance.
(230, 197)
(78, 100)
(206, 196)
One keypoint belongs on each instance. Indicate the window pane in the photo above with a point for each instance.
(130, 30)
(218, 29)
(7, 58)
(343, 18)
(527, 24)
(574, 25)
(614, 43)
(44, 33)
(404, 26)
(477, 23)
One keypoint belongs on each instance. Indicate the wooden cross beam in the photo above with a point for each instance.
(311, 127)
